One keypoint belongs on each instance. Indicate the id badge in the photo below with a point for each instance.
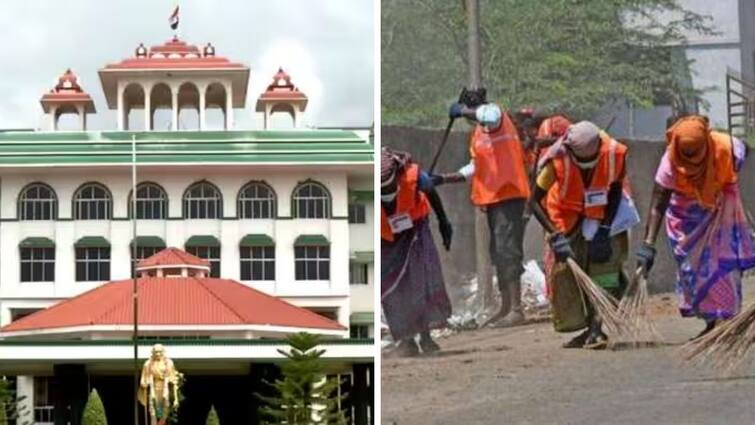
(400, 222)
(596, 198)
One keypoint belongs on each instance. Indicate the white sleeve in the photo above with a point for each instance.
(468, 170)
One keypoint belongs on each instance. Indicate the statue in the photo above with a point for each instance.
(158, 386)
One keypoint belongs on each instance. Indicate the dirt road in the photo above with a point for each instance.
(522, 376)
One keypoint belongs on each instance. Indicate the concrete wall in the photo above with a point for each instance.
(459, 263)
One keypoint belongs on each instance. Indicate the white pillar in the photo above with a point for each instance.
(297, 116)
(54, 118)
(82, 117)
(268, 111)
(121, 116)
(174, 95)
(228, 107)
(147, 107)
(25, 393)
(202, 108)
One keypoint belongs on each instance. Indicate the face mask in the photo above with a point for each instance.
(388, 197)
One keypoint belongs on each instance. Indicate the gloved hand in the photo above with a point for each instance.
(446, 233)
(561, 247)
(437, 179)
(456, 110)
(599, 250)
(645, 258)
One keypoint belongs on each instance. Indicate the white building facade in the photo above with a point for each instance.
(288, 212)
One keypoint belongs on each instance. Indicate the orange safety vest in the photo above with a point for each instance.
(499, 162)
(566, 202)
(409, 200)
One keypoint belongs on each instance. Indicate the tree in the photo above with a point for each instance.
(212, 417)
(576, 56)
(94, 411)
(304, 395)
(11, 407)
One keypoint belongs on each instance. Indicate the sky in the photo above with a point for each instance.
(327, 46)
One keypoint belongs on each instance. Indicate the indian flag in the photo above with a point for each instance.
(174, 19)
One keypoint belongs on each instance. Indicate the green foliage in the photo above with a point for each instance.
(304, 396)
(11, 407)
(212, 417)
(574, 56)
(94, 411)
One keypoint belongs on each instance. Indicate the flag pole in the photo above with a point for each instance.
(135, 288)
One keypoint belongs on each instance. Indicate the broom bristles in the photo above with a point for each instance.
(605, 306)
(633, 308)
(727, 346)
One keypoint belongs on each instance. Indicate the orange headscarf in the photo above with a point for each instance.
(691, 150)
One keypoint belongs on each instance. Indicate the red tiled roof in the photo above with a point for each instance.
(175, 54)
(173, 301)
(172, 257)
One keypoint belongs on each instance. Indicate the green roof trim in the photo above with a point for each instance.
(311, 240)
(37, 242)
(362, 318)
(257, 240)
(150, 241)
(184, 147)
(362, 196)
(364, 257)
(202, 240)
(92, 242)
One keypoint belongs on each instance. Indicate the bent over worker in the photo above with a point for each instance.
(413, 293)
(499, 187)
(578, 192)
(697, 189)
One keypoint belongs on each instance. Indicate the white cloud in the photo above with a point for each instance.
(326, 44)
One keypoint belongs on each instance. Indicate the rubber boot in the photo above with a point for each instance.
(515, 315)
(505, 293)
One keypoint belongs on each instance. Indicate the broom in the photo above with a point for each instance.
(634, 311)
(727, 346)
(603, 303)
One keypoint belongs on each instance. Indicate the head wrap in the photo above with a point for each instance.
(554, 126)
(690, 150)
(583, 138)
(391, 164)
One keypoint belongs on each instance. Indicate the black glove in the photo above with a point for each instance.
(456, 110)
(600, 246)
(645, 258)
(437, 179)
(446, 233)
(561, 247)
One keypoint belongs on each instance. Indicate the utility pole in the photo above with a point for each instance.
(484, 282)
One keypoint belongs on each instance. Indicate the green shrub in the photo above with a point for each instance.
(94, 411)
(212, 417)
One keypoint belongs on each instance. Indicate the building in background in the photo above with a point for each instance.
(269, 232)
(730, 50)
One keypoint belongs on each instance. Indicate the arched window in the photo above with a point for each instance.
(257, 200)
(311, 200)
(203, 200)
(92, 201)
(151, 202)
(37, 201)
